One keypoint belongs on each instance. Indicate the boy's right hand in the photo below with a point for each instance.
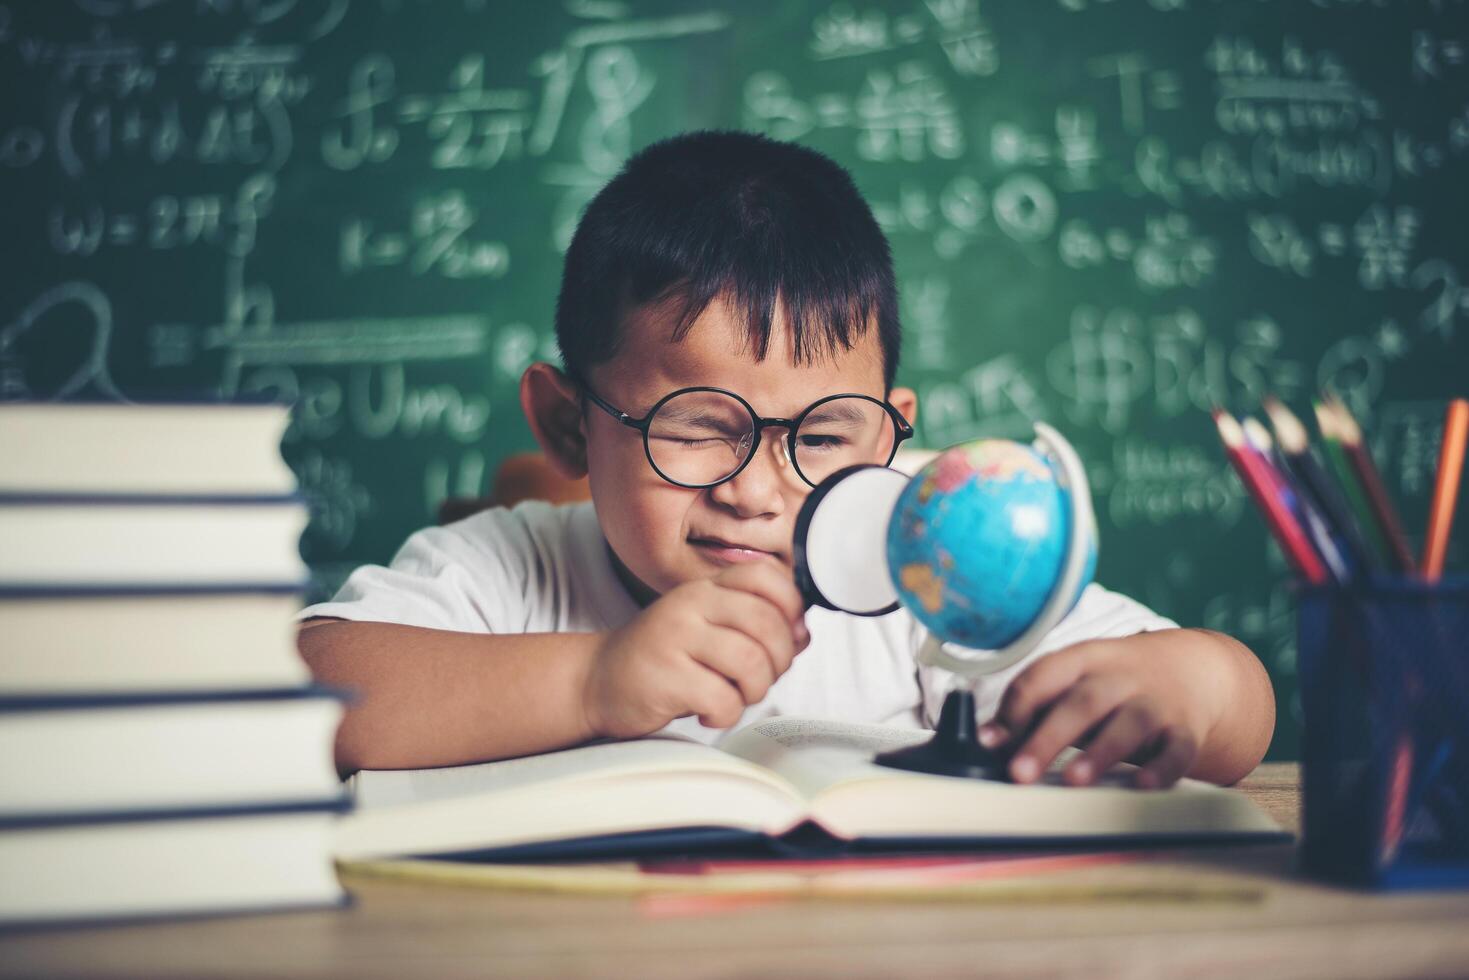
(705, 648)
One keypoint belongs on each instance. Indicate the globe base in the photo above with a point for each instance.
(954, 749)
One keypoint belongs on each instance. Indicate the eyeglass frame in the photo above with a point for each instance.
(902, 427)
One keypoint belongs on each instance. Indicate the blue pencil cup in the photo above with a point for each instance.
(1384, 681)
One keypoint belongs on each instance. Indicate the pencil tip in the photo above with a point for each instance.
(1346, 424)
(1288, 429)
(1256, 433)
(1324, 420)
(1229, 430)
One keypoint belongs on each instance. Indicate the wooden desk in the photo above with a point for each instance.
(397, 929)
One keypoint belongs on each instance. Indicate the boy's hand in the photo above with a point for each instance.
(705, 648)
(1118, 699)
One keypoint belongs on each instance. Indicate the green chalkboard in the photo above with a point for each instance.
(1108, 214)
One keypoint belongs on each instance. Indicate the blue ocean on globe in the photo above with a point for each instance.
(978, 540)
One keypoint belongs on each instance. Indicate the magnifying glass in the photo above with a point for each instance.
(840, 545)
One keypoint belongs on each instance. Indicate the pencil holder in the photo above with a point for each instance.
(1384, 681)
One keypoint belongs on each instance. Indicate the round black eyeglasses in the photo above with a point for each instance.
(702, 437)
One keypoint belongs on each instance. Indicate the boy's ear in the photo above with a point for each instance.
(905, 400)
(552, 406)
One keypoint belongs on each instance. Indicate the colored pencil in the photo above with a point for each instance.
(1435, 545)
(1382, 509)
(1278, 518)
(1399, 786)
(1336, 458)
(1336, 431)
(1403, 762)
(1259, 442)
(1298, 502)
(1295, 448)
(1445, 488)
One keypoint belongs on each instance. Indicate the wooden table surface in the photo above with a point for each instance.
(1271, 923)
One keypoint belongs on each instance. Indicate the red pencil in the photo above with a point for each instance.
(1257, 481)
(1295, 499)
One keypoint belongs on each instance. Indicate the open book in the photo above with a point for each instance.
(775, 780)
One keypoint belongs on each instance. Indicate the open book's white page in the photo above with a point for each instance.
(592, 791)
(608, 760)
(830, 763)
(813, 755)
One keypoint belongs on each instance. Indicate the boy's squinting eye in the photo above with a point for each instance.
(702, 433)
(817, 441)
(731, 447)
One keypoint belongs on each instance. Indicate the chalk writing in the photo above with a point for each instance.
(33, 331)
(436, 241)
(961, 32)
(903, 114)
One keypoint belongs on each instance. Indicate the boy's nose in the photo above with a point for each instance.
(760, 488)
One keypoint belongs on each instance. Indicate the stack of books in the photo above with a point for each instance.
(162, 750)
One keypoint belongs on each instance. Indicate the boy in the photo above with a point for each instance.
(716, 297)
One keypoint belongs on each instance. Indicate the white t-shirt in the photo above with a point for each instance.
(539, 568)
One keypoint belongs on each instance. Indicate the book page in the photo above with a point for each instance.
(815, 755)
(610, 788)
(374, 788)
(830, 763)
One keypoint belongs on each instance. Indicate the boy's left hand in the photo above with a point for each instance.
(1119, 700)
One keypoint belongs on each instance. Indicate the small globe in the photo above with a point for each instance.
(978, 540)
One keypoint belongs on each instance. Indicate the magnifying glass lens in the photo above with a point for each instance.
(841, 540)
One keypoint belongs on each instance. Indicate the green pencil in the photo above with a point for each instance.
(1342, 467)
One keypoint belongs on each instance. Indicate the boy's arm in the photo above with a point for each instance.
(1245, 719)
(1177, 702)
(426, 697)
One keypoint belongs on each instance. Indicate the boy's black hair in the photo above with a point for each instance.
(736, 214)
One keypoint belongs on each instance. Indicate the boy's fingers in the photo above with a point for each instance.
(1075, 713)
(770, 580)
(714, 699)
(1038, 685)
(1171, 762)
(992, 734)
(758, 620)
(1129, 727)
(735, 656)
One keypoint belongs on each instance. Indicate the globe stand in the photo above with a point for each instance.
(954, 749)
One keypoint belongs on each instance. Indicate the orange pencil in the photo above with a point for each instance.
(1382, 509)
(1250, 468)
(1451, 459)
(1440, 520)
(1446, 488)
